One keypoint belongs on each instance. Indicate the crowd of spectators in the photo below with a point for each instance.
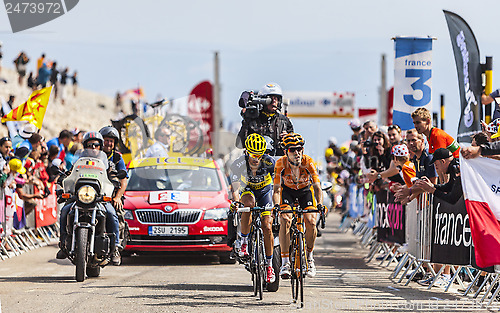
(25, 159)
(407, 163)
(47, 73)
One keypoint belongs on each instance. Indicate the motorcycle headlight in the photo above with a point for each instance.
(128, 215)
(86, 194)
(218, 214)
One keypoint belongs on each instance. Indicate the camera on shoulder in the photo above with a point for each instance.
(252, 103)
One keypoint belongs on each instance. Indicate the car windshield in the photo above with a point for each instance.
(155, 178)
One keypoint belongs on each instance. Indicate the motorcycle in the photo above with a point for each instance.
(86, 188)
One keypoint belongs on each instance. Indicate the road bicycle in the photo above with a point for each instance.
(298, 261)
(256, 262)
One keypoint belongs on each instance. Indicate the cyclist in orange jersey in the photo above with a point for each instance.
(296, 178)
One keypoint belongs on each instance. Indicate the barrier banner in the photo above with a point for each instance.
(451, 235)
(46, 209)
(467, 60)
(412, 78)
(390, 218)
(356, 203)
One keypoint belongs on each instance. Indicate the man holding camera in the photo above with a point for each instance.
(261, 115)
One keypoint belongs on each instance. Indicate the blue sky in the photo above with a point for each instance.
(167, 47)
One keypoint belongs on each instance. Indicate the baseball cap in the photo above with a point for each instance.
(355, 123)
(17, 165)
(441, 154)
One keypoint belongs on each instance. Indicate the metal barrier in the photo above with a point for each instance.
(17, 242)
(418, 253)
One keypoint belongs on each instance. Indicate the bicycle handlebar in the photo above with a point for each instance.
(249, 209)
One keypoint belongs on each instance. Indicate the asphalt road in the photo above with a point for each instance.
(37, 282)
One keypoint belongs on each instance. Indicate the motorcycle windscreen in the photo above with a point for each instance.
(91, 164)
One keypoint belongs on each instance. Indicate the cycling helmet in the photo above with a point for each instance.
(255, 144)
(293, 139)
(109, 131)
(92, 136)
(271, 89)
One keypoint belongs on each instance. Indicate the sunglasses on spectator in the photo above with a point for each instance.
(396, 127)
(293, 149)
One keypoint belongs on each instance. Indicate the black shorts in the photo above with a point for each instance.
(304, 196)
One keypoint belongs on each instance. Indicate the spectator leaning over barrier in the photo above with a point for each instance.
(63, 141)
(17, 172)
(486, 149)
(380, 161)
(423, 166)
(401, 156)
(445, 164)
(25, 148)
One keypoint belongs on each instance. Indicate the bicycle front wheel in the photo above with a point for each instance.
(260, 263)
(293, 273)
(302, 267)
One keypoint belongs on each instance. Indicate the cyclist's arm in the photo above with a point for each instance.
(318, 193)
(276, 194)
(235, 186)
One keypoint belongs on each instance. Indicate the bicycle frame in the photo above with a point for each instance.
(256, 250)
(297, 254)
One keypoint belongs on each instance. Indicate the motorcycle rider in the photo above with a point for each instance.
(251, 182)
(110, 136)
(269, 122)
(296, 178)
(91, 140)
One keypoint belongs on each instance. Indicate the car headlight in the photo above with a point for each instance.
(128, 215)
(218, 214)
(86, 194)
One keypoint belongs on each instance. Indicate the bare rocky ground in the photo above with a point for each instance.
(87, 110)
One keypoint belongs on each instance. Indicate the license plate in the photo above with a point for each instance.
(168, 230)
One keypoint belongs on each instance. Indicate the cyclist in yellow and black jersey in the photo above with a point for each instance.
(251, 182)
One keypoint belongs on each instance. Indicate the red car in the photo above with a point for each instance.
(177, 204)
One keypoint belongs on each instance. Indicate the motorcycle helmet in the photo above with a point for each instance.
(293, 139)
(92, 136)
(255, 144)
(109, 131)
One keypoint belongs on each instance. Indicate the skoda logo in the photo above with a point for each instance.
(168, 208)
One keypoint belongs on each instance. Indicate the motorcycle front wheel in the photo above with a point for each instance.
(81, 253)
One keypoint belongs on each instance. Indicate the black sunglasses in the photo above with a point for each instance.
(93, 145)
(293, 149)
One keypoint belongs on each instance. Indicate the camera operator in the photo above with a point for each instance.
(261, 115)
